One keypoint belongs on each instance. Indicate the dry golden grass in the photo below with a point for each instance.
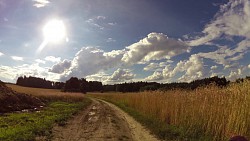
(217, 112)
(48, 94)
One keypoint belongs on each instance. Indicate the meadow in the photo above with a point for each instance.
(207, 113)
(30, 125)
(49, 94)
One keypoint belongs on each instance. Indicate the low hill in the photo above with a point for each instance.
(13, 101)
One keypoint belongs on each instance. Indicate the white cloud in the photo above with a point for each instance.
(101, 17)
(53, 59)
(91, 60)
(231, 66)
(226, 56)
(235, 74)
(40, 3)
(232, 20)
(151, 67)
(155, 46)
(111, 40)
(187, 70)
(192, 68)
(100, 76)
(214, 67)
(157, 66)
(156, 76)
(249, 66)
(121, 75)
(97, 21)
(1, 54)
(40, 61)
(17, 58)
(60, 67)
(112, 24)
(10, 74)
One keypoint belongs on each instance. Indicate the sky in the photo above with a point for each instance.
(116, 41)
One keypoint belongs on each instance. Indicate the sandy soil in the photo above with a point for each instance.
(102, 121)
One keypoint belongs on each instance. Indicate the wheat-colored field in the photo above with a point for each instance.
(48, 94)
(217, 112)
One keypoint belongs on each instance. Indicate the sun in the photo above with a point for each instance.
(54, 31)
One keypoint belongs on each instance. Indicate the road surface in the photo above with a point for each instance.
(102, 121)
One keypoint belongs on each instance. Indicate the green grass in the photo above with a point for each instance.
(27, 126)
(157, 127)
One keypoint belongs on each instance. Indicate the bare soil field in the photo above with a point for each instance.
(11, 100)
(101, 121)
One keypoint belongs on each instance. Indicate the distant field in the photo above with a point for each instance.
(208, 113)
(48, 94)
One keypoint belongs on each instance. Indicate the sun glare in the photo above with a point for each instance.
(54, 31)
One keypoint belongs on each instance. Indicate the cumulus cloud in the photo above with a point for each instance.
(214, 67)
(122, 74)
(157, 66)
(232, 20)
(155, 46)
(91, 60)
(53, 59)
(226, 56)
(192, 69)
(17, 58)
(10, 74)
(40, 61)
(61, 66)
(235, 74)
(151, 66)
(1, 54)
(119, 75)
(40, 3)
(156, 76)
(186, 70)
(249, 66)
(100, 76)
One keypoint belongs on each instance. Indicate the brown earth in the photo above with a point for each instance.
(13, 101)
(102, 121)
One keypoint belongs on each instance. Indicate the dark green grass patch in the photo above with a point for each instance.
(27, 126)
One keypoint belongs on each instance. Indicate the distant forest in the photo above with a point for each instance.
(82, 85)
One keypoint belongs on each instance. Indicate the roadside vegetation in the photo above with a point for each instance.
(206, 113)
(28, 124)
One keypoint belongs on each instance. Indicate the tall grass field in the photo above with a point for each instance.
(208, 113)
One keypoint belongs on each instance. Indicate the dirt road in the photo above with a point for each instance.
(102, 121)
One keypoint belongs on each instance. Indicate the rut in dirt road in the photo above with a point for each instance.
(99, 122)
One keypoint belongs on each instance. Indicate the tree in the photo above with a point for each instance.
(72, 85)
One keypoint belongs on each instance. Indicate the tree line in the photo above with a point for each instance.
(72, 85)
(146, 86)
(82, 85)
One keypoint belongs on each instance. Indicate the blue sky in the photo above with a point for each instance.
(116, 41)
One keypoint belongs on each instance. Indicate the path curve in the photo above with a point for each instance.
(102, 121)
